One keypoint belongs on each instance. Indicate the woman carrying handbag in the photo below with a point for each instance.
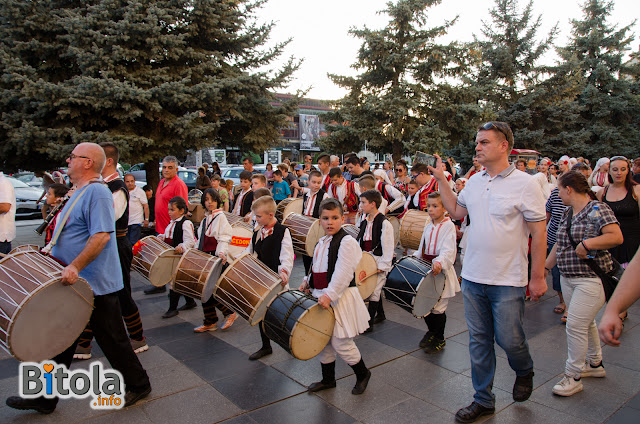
(587, 229)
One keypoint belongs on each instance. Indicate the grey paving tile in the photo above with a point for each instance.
(454, 357)
(304, 408)
(8, 368)
(261, 387)
(532, 412)
(378, 397)
(592, 404)
(126, 415)
(457, 393)
(222, 364)
(622, 356)
(630, 336)
(240, 419)
(634, 402)
(375, 352)
(155, 357)
(170, 379)
(177, 331)
(505, 376)
(194, 346)
(400, 337)
(240, 334)
(200, 405)
(411, 411)
(412, 375)
(307, 372)
(278, 355)
(624, 416)
(618, 380)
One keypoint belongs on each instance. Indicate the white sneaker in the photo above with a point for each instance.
(593, 371)
(567, 386)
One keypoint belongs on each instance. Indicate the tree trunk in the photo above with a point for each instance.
(396, 153)
(153, 175)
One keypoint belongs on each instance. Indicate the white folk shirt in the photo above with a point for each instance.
(119, 198)
(440, 240)
(387, 241)
(137, 200)
(188, 237)
(341, 191)
(217, 226)
(238, 206)
(286, 251)
(394, 193)
(497, 241)
(311, 200)
(7, 220)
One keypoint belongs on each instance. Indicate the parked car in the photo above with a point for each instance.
(26, 198)
(30, 179)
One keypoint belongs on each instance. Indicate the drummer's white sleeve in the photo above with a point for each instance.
(188, 238)
(388, 246)
(446, 247)
(399, 199)
(286, 253)
(119, 203)
(223, 234)
(349, 255)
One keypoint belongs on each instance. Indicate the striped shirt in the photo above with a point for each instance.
(556, 208)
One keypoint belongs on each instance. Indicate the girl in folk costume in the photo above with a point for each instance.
(395, 199)
(272, 243)
(332, 282)
(179, 234)
(346, 192)
(214, 236)
(438, 246)
(428, 184)
(376, 236)
(313, 195)
(600, 175)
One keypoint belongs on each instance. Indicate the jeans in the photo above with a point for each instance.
(555, 272)
(134, 233)
(5, 247)
(584, 298)
(494, 312)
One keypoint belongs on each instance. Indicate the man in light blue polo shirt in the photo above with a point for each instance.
(84, 240)
(505, 206)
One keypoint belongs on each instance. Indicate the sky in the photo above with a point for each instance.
(319, 31)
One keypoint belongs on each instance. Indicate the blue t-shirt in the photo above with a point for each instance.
(281, 190)
(92, 214)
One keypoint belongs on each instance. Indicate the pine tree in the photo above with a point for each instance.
(155, 77)
(402, 99)
(608, 102)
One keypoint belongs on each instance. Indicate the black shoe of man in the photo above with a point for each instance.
(472, 412)
(523, 387)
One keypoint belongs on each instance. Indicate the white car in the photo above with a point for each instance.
(26, 198)
(233, 173)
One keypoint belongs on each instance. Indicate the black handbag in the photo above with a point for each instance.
(609, 279)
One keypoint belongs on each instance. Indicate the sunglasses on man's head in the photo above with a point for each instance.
(492, 126)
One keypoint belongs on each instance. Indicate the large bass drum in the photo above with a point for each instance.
(412, 227)
(156, 261)
(39, 316)
(197, 274)
(412, 286)
(305, 232)
(297, 323)
(287, 206)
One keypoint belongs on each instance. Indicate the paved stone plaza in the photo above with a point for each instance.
(207, 378)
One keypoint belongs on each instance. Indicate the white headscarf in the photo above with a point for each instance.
(382, 174)
(600, 163)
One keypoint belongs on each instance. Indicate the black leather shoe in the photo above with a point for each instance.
(154, 290)
(131, 397)
(473, 412)
(316, 387)
(523, 387)
(187, 306)
(361, 385)
(328, 378)
(260, 354)
(170, 313)
(42, 405)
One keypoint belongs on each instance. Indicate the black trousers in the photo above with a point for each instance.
(109, 332)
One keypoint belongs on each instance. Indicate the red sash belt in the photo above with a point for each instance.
(367, 245)
(429, 258)
(320, 280)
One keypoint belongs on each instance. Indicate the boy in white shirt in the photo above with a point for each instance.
(138, 209)
(438, 246)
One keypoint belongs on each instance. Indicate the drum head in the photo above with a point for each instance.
(312, 332)
(366, 275)
(163, 268)
(50, 320)
(25, 248)
(315, 233)
(428, 294)
(292, 206)
(395, 223)
(211, 279)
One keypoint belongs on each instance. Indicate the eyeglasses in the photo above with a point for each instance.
(399, 169)
(73, 156)
(491, 126)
